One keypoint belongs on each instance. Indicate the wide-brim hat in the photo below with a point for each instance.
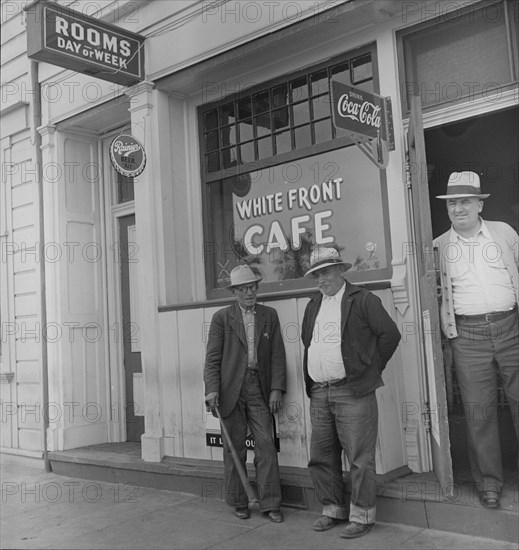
(325, 256)
(243, 275)
(463, 184)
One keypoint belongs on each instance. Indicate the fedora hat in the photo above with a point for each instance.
(325, 256)
(243, 275)
(463, 184)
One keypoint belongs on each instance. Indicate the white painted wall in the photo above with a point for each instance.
(21, 332)
(183, 341)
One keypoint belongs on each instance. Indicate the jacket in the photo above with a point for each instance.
(506, 240)
(369, 337)
(226, 355)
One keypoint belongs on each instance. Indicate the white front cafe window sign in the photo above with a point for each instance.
(299, 180)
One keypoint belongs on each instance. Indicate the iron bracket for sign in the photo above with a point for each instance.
(376, 149)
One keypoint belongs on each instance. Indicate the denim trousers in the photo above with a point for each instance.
(252, 410)
(342, 421)
(480, 352)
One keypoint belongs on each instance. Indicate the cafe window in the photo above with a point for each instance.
(278, 178)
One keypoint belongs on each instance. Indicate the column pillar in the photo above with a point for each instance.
(144, 121)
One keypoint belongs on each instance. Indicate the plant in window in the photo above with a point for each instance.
(294, 262)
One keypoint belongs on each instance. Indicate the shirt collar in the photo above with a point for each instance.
(483, 229)
(337, 297)
(245, 311)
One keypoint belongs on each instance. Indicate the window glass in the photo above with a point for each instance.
(279, 178)
(125, 190)
(264, 148)
(211, 141)
(245, 129)
(212, 162)
(283, 142)
(463, 57)
(279, 118)
(321, 106)
(302, 136)
(211, 119)
(299, 89)
(247, 152)
(228, 135)
(323, 130)
(227, 114)
(272, 217)
(319, 82)
(362, 69)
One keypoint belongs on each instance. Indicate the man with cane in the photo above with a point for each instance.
(245, 378)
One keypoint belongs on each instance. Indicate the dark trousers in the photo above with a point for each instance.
(342, 421)
(252, 410)
(480, 351)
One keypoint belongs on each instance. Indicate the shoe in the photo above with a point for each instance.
(242, 513)
(354, 529)
(324, 523)
(275, 516)
(489, 499)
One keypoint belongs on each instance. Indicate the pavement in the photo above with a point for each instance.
(43, 510)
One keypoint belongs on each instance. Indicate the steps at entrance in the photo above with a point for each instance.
(414, 499)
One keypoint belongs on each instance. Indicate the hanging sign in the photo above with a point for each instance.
(362, 113)
(64, 37)
(127, 155)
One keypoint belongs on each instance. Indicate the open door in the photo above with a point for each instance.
(428, 288)
(134, 407)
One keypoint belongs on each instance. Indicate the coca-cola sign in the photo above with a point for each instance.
(127, 155)
(359, 111)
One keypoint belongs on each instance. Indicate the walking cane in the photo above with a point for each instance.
(253, 499)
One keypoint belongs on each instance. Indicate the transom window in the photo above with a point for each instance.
(279, 118)
(469, 54)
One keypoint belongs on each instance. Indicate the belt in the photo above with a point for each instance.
(487, 317)
(253, 372)
(331, 383)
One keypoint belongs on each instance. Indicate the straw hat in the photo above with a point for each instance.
(325, 256)
(463, 184)
(242, 275)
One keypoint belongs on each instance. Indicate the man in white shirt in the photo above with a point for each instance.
(348, 338)
(480, 294)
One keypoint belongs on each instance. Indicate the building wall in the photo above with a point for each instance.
(20, 297)
(182, 72)
(182, 356)
(21, 322)
(168, 207)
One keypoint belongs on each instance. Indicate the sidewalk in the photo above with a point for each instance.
(44, 510)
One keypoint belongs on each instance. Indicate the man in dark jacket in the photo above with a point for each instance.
(348, 339)
(245, 377)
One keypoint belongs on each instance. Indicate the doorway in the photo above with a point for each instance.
(488, 145)
(134, 407)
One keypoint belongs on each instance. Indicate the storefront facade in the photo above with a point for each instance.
(243, 163)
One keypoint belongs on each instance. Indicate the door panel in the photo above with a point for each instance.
(75, 297)
(134, 410)
(429, 312)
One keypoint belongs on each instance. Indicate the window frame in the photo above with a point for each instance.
(380, 276)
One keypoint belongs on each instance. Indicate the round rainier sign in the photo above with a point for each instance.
(127, 155)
